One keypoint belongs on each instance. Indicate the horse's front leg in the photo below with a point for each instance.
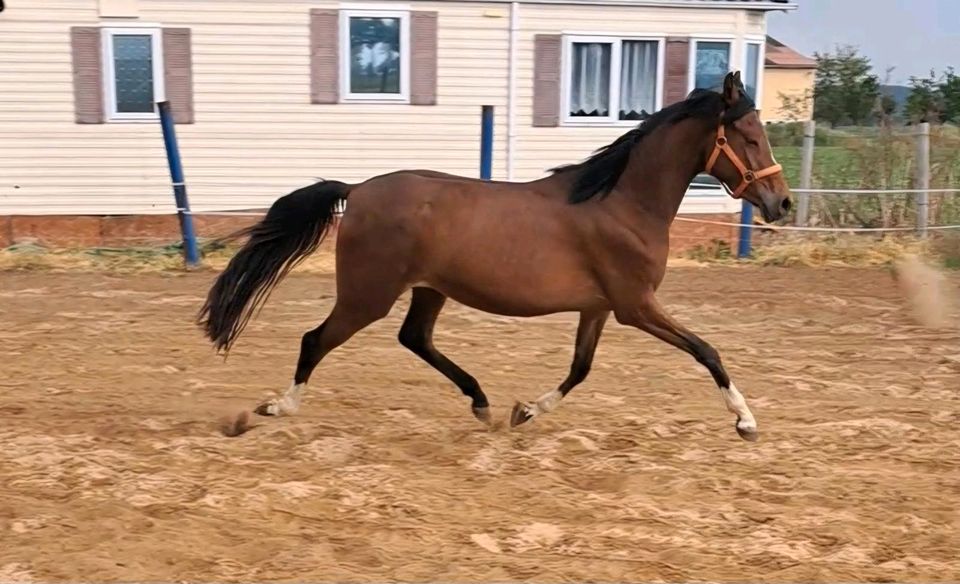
(646, 314)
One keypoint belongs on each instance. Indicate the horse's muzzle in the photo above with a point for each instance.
(774, 207)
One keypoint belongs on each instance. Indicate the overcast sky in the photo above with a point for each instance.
(911, 35)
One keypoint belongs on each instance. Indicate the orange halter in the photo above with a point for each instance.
(748, 176)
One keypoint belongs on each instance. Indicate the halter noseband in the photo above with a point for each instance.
(748, 176)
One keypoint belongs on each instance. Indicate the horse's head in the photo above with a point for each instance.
(741, 156)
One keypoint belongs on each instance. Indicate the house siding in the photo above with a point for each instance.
(794, 83)
(256, 135)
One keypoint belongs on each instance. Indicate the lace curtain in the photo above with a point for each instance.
(638, 79)
(590, 79)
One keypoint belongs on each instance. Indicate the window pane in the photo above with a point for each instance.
(590, 80)
(712, 65)
(638, 79)
(753, 67)
(374, 55)
(133, 73)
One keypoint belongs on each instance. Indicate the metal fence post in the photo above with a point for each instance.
(746, 229)
(190, 253)
(806, 172)
(923, 177)
(486, 142)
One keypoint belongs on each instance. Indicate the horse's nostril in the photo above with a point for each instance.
(785, 205)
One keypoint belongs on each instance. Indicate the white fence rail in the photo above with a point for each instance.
(920, 192)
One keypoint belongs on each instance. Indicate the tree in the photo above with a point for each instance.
(845, 90)
(925, 102)
(950, 94)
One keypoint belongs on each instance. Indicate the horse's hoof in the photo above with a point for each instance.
(267, 409)
(483, 414)
(521, 413)
(748, 433)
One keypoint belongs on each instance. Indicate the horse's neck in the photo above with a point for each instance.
(662, 166)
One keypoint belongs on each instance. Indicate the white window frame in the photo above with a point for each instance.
(109, 74)
(692, 63)
(761, 57)
(616, 41)
(346, 95)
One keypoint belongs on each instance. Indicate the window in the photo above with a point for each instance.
(375, 49)
(711, 63)
(752, 68)
(133, 73)
(610, 80)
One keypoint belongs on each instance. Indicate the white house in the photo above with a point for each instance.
(270, 94)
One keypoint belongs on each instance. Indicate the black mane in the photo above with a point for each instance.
(598, 174)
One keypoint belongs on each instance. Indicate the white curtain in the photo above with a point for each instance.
(590, 82)
(638, 79)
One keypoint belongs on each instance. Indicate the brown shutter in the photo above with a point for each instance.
(87, 53)
(675, 70)
(178, 73)
(546, 80)
(423, 58)
(324, 51)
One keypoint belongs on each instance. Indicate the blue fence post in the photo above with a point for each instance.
(486, 142)
(746, 229)
(190, 253)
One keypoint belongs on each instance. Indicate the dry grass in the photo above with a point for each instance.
(164, 259)
(123, 261)
(837, 250)
(131, 260)
(770, 250)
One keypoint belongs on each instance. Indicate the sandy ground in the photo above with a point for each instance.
(112, 467)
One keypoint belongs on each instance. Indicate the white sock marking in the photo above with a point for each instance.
(289, 402)
(545, 403)
(738, 405)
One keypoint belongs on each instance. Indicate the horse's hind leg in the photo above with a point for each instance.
(416, 334)
(588, 335)
(350, 315)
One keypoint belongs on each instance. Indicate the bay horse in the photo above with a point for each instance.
(591, 237)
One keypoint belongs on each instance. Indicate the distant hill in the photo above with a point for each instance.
(899, 94)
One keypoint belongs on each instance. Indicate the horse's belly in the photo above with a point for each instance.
(522, 292)
(515, 304)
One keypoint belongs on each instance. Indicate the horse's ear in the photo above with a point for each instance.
(731, 88)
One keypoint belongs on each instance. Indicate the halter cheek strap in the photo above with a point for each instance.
(747, 176)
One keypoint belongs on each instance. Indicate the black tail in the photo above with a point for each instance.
(293, 229)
